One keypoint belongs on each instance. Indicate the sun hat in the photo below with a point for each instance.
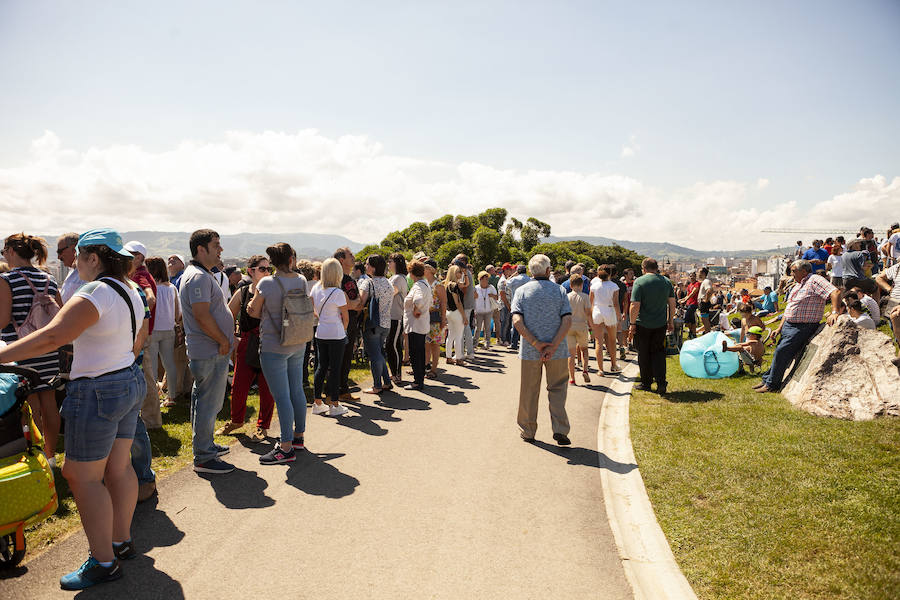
(103, 236)
(755, 329)
(179, 257)
(420, 255)
(483, 274)
(135, 246)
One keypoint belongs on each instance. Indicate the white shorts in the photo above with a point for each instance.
(605, 315)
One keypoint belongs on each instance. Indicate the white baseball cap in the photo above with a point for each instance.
(135, 246)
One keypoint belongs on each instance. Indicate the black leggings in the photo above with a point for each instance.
(417, 356)
(393, 348)
(330, 354)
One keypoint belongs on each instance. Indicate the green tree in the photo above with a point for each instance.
(532, 233)
(493, 218)
(442, 223)
(395, 240)
(437, 238)
(465, 226)
(448, 251)
(487, 246)
(415, 235)
(371, 249)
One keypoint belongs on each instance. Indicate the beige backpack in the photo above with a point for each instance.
(297, 315)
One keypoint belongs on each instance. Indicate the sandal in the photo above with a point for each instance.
(431, 375)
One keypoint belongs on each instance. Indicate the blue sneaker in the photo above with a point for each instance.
(215, 466)
(90, 573)
(221, 450)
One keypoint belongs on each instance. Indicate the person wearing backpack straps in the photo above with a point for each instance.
(246, 367)
(29, 299)
(105, 322)
(281, 349)
(377, 294)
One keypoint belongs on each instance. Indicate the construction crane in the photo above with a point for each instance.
(824, 230)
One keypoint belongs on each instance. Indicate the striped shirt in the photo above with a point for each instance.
(46, 365)
(806, 300)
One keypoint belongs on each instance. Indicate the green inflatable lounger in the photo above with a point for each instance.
(27, 489)
(702, 357)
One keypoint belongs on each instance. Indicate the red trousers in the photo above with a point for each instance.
(243, 377)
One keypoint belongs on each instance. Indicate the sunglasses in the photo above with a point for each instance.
(266, 269)
(61, 250)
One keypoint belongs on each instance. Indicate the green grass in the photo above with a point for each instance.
(761, 500)
(171, 452)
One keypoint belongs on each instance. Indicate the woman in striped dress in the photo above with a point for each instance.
(15, 302)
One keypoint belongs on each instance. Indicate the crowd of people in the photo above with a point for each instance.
(120, 314)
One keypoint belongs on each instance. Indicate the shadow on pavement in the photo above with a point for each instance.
(140, 580)
(464, 383)
(396, 402)
(239, 489)
(586, 457)
(445, 395)
(313, 474)
(365, 417)
(153, 528)
(17, 571)
(603, 389)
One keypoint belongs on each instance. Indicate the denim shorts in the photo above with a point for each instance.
(101, 409)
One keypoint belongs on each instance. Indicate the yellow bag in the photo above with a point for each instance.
(27, 493)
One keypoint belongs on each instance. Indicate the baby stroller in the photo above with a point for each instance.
(27, 490)
(676, 338)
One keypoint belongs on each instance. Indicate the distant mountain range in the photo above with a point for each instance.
(321, 245)
(672, 251)
(243, 245)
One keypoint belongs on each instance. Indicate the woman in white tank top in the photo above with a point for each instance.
(606, 315)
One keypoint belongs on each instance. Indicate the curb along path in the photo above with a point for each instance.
(646, 556)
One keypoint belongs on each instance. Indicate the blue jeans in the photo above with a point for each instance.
(100, 410)
(513, 335)
(141, 455)
(794, 337)
(284, 374)
(374, 340)
(207, 395)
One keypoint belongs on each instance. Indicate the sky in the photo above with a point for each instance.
(697, 123)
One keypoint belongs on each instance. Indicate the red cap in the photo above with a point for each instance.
(506, 266)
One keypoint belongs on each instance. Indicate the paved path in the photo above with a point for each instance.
(420, 495)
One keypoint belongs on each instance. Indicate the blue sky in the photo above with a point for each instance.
(771, 108)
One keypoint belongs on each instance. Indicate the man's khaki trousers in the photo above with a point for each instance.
(530, 391)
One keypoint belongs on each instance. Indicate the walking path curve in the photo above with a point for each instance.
(425, 495)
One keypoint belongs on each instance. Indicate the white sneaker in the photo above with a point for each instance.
(320, 409)
(337, 410)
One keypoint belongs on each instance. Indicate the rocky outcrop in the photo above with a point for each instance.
(846, 372)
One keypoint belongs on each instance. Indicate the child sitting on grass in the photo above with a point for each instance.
(748, 319)
(751, 351)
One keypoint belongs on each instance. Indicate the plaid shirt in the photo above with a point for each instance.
(806, 300)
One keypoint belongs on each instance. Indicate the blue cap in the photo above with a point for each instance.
(103, 236)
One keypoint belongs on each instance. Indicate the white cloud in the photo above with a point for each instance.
(762, 183)
(631, 148)
(304, 181)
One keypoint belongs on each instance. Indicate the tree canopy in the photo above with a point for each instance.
(495, 237)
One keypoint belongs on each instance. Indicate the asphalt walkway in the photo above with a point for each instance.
(411, 495)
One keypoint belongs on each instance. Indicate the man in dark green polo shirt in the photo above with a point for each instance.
(652, 314)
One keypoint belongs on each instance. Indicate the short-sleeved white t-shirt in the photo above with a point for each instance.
(837, 265)
(108, 344)
(327, 303)
(166, 297)
(894, 241)
(483, 299)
